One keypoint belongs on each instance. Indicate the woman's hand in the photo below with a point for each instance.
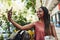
(9, 14)
(29, 26)
(56, 38)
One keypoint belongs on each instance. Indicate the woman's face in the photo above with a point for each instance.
(40, 13)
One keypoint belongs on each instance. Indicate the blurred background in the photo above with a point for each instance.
(24, 12)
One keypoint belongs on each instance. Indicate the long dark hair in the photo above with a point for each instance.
(46, 19)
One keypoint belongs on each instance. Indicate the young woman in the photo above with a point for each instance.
(42, 27)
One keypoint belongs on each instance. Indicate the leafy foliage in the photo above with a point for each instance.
(30, 3)
(20, 19)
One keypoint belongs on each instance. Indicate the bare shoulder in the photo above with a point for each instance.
(34, 23)
(31, 24)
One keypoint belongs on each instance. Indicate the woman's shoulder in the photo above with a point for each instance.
(36, 22)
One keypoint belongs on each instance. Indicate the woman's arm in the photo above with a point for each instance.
(28, 26)
(54, 31)
(16, 24)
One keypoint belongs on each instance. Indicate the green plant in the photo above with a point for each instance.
(1, 37)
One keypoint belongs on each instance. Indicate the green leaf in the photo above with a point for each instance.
(22, 0)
